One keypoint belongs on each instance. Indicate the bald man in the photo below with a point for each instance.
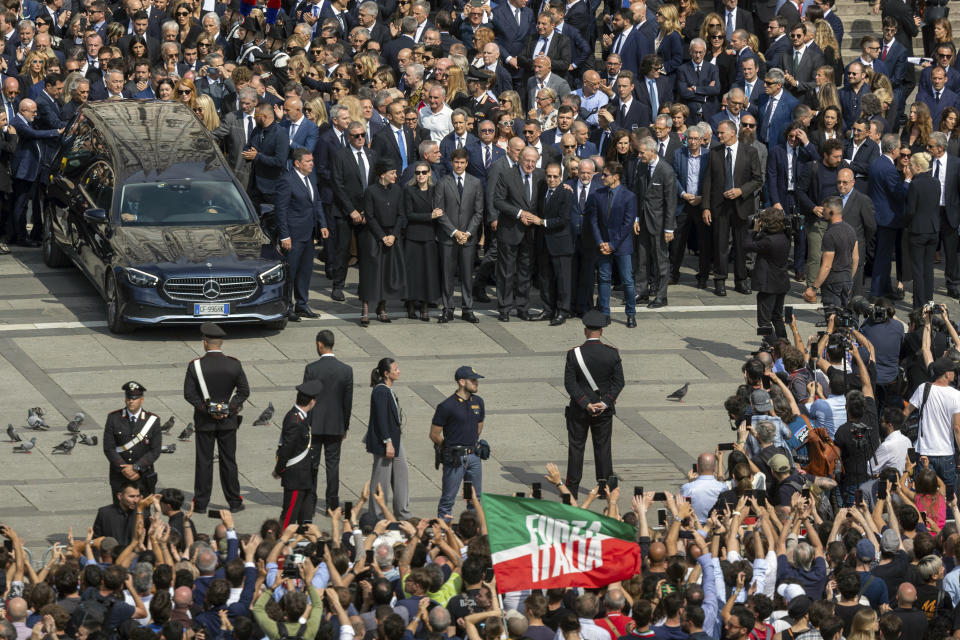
(913, 619)
(657, 560)
(26, 170)
(591, 98)
(301, 131)
(182, 601)
(703, 489)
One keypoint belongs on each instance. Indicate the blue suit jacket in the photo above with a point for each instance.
(634, 49)
(327, 146)
(272, 145)
(512, 38)
(771, 132)
(615, 226)
(26, 159)
(448, 145)
(888, 192)
(953, 80)
(297, 215)
(578, 46)
(475, 165)
(773, 53)
(305, 138)
(671, 50)
(947, 99)
(705, 97)
(48, 117)
(836, 24)
(579, 220)
(680, 158)
(897, 64)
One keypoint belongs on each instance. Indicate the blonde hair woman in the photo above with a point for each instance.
(206, 110)
(316, 110)
(864, 625)
(510, 102)
(352, 103)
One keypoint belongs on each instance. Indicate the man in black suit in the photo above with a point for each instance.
(330, 419)
(698, 84)
(859, 152)
(800, 66)
(408, 26)
(216, 387)
(267, 150)
(666, 140)
(733, 177)
(858, 213)
(299, 211)
(631, 113)
(395, 141)
(946, 170)
(350, 180)
(236, 132)
(547, 42)
(656, 187)
(459, 196)
(555, 242)
(506, 162)
(514, 200)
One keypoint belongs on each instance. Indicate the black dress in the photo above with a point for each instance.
(382, 271)
(420, 245)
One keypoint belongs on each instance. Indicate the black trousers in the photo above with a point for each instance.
(727, 223)
(770, 312)
(514, 272)
(147, 484)
(338, 250)
(579, 425)
(226, 443)
(951, 242)
(686, 221)
(23, 192)
(584, 268)
(555, 282)
(922, 248)
(329, 447)
(488, 264)
(298, 506)
(651, 270)
(453, 258)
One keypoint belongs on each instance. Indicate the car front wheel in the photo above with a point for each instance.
(115, 319)
(53, 255)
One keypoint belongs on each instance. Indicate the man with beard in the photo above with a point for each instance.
(817, 181)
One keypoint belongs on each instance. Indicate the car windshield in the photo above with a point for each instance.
(182, 203)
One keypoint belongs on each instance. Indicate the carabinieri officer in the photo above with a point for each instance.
(131, 442)
(294, 463)
(455, 429)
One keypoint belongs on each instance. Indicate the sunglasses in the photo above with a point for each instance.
(421, 172)
(569, 146)
(184, 92)
(744, 125)
(486, 130)
(181, 14)
(358, 135)
(716, 37)
(770, 83)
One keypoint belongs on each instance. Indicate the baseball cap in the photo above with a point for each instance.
(865, 550)
(799, 607)
(941, 366)
(779, 463)
(760, 401)
(889, 541)
(466, 373)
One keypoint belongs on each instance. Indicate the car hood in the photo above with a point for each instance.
(184, 246)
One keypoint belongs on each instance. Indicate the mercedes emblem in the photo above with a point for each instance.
(211, 289)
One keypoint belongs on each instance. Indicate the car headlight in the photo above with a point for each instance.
(141, 278)
(272, 275)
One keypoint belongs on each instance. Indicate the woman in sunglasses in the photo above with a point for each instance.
(186, 92)
(382, 268)
(718, 54)
(420, 248)
(189, 26)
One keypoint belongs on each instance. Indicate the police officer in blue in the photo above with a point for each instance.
(131, 441)
(455, 431)
(294, 463)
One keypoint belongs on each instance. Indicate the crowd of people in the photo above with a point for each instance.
(562, 146)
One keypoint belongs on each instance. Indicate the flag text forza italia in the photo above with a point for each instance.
(563, 546)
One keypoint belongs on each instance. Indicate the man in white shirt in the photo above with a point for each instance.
(939, 420)
(435, 116)
(892, 452)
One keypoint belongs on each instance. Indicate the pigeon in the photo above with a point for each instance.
(265, 416)
(24, 447)
(74, 425)
(186, 433)
(679, 393)
(12, 433)
(37, 411)
(67, 445)
(36, 422)
(166, 426)
(169, 448)
(90, 441)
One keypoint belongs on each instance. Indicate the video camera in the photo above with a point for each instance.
(874, 312)
(843, 318)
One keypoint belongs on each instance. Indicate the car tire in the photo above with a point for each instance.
(53, 255)
(115, 320)
(276, 325)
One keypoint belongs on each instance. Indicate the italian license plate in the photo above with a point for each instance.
(211, 309)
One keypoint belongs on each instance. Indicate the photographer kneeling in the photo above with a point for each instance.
(770, 278)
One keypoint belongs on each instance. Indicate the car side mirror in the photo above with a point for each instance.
(95, 216)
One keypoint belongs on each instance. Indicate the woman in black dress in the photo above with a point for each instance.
(382, 272)
(420, 242)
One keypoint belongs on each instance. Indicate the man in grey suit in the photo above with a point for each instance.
(234, 134)
(330, 418)
(506, 162)
(543, 78)
(514, 200)
(858, 213)
(460, 197)
(800, 66)
(656, 189)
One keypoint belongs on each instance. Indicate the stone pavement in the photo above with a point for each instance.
(56, 353)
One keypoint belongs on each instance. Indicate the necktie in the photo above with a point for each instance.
(516, 14)
(526, 186)
(796, 61)
(459, 143)
(340, 20)
(541, 47)
(403, 150)
(486, 156)
(729, 26)
(883, 54)
(654, 98)
(749, 90)
(936, 169)
(623, 111)
(766, 117)
(10, 112)
(306, 182)
(549, 195)
(696, 68)
(579, 149)
(343, 139)
(460, 186)
(583, 198)
(293, 130)
(937, 96)
(793, 167)
(663, 150)
(618, 44)
(729, 169)
(363, 169)
(249, 128)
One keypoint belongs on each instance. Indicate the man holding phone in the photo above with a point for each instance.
(703, 488)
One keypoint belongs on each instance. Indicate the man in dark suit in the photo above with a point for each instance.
(733, 177)
(817, 181)
(512, 23)
(888, 191)
(778, 41)
(483, 152)
(666, 140)
(27, 164)
(656, 189)
(653, 88)
(627, 41)
(907, 23)
(459, 138)
(584, 263)
(267, 150)
(514, 200)
(330, 418)
(944, 58)
(555, 244)
(736, 103)
(860, 152)
(858, 213)
(408, 26)
(612, 211)
(235, 133)
(395, 141)
(350, 180)
(894, 55)
(216, 387)
(689, 186)
(547, 42)
(631, 113)
(775, 108)
(698, 84)
(302, 132)
(938, 97)
(799, 66)
(946, 170)
(852, 93)
(299, 211)
(459, 196)
(329, 143)
(507, 162)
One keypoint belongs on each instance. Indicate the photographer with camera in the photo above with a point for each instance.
(839, 259)
(859, 437)
(770, 278)
(886, 333)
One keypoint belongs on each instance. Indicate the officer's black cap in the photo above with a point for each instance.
(133, 389)
(481, 75)
(212, 330)
(250, 24)
(310, 388)
(466, 373)
(594, 320)
(235, 5)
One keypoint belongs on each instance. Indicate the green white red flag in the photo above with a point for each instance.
(538, 544)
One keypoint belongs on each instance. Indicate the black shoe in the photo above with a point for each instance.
(364, 321)
(470, 316)
(642, 297)
(307, 312)
(337, 294)
(558, 319)
(504, 316)
(631, 322)
(4, 249)
(293, 317)
(657, 303)
(742, 287)
(411, 314)
(534, 316)
(674, 280)
(719, 288)
(444, 318)
(701, 283)
(238, 508)
(480, 294)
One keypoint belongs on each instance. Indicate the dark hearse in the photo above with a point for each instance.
(142, 201)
